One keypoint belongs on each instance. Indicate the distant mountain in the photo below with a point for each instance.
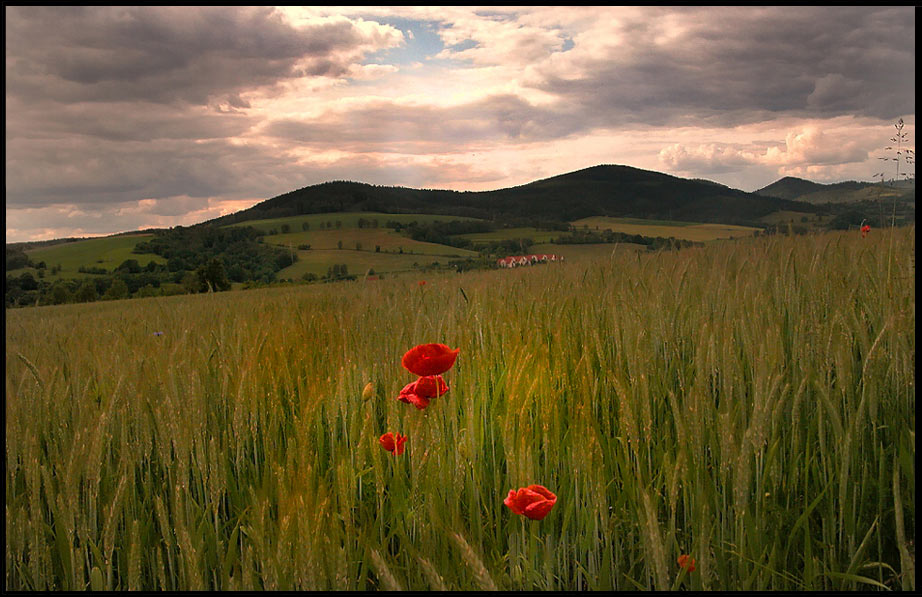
(790, 187)
(605, 190)
(798, 189)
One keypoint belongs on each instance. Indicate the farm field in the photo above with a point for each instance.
(108, 252)
(680, 230)
(388, 240)
(539, 236)
(588, 252)
(748, 404)
(793, 217)
(357, 262)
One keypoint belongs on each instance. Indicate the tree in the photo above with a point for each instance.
(212, 276)
(190, 282)
(16, 258)
(118, 290)
(147, 290)
(60, 294)
(27, 282)
(129, 265)
(86, 292)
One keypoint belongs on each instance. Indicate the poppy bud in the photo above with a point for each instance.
(393, 443)
(687, 562)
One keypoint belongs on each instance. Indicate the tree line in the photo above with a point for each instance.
(197, 259)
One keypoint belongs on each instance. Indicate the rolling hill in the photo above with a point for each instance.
(605, 190)
(798, 189)
(323, 231)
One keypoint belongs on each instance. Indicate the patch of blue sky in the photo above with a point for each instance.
(421, 42)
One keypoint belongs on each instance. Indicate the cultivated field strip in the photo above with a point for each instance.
(749, 403)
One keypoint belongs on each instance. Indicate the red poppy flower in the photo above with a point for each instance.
(393, 443)
(421, 391)
(534, 501)
(864, 230)
(429, 359)
(432, 386)
(687, 562)
(422, 282)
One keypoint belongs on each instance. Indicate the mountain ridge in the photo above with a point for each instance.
(601, 190)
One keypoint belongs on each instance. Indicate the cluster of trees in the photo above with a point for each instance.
(442, 233)
(579, 237)
(240, 251)
(25, 290)
(127, 280)
(198, 259)
(16, 258)
(338, 271)
(509, 246)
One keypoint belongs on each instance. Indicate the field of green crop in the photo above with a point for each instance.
(357, 262)
(107, 252)
(665, 229)
(389, 241)
(750, 404)
(539, 236)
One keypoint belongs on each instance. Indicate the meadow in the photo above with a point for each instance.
(107, 252)
(700, 232)
(750, 404)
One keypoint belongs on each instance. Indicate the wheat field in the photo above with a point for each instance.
(748, 403)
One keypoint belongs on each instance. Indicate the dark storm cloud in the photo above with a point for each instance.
(734, 65)
(163, 54)
(108, 104)
(81, 171)
(120, 121)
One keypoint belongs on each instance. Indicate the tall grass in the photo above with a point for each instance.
(750, 403)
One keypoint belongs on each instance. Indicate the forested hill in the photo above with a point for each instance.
(606, 190)
(791, 187)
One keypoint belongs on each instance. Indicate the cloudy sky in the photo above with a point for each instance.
(120, 118)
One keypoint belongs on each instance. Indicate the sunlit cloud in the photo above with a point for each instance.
(131, 117)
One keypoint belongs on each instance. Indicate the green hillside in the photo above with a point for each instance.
(875, 192)
(106, 252)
